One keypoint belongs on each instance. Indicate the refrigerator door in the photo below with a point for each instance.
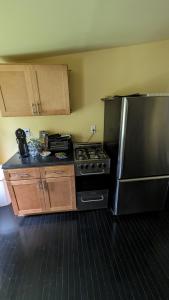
(134, 196)
(144, 137)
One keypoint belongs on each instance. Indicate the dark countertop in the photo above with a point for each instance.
(16, 161)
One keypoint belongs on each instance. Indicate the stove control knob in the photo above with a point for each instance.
(92, 166)
(86, 166)
(99, 165)
(80, 166)
(103, 165)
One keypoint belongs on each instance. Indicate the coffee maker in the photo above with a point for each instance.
(22, 144)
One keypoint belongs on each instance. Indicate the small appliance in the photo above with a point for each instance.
(22, 144)
(58, 142)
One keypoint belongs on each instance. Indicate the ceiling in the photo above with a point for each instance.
(59, 26)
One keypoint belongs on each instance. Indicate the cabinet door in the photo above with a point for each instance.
(50, 83)
(60, 193)
(27, 196)
(16, 93)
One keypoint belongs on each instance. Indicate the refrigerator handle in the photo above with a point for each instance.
(123, 125)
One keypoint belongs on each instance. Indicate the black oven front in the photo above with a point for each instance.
(92, 191)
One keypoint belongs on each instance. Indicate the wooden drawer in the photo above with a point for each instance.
(57, 171)
(19, 174)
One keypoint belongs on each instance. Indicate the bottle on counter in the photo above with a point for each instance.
(43, 137)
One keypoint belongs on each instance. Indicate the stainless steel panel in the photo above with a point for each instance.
(145, 139)
(140, 196)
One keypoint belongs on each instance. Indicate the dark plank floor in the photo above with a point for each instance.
(84, 256)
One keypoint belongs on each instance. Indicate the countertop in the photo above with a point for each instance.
(16, 161)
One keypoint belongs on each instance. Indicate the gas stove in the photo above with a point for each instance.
(90, 159)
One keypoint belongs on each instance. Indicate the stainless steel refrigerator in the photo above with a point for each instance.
(136, 137)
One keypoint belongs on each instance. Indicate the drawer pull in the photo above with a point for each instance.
(57, 172)
(92, 200)
(20, 175)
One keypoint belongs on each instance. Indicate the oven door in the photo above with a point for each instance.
(92, 191)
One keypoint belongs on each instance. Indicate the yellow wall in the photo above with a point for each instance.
(94, 75)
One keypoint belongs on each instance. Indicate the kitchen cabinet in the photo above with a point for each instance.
(50, 84)
(26, 196)
(59, 193)
(41, 190)
(27, 90)
(16, 93)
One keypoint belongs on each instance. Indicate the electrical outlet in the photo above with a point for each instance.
(93, 129)
(27, 132)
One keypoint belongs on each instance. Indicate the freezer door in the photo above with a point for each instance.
(144, 137)
(136, 196)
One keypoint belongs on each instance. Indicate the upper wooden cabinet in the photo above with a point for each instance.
(16, 94)
(50, 84)
(27, 90)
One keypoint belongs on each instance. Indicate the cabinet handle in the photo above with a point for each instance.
(34, 109)
(39, 107)
(40, 185)
(45, 185)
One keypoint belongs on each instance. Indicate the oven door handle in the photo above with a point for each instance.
(93, 200)
(94, 173)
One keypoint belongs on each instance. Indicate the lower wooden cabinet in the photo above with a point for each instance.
(43, 194)
(26, 196)
(59, 193)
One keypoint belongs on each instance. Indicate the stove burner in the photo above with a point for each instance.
(90, 152)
